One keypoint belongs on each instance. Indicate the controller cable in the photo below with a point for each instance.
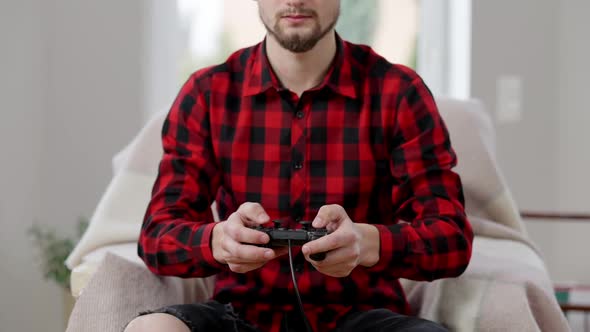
(301, 310)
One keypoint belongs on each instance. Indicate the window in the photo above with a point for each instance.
(214, 29)
(445, 47)
(431, 36)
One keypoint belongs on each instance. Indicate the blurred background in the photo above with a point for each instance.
(78, 79)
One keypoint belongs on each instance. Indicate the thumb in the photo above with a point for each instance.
(253, 214)
(320, 222)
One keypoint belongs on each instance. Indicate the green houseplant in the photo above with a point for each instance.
(53, 250)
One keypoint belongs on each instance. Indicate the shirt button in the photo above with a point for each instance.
(298, 166)
(300, 114)
(298, 268)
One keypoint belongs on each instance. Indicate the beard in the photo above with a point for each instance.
(299, 42)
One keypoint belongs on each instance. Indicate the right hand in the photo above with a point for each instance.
(234, 244)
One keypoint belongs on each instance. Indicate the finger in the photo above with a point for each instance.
(245, 253)
(243, 234)
(342, 258)
(327, 243)
(234, 226)
(335, 271)
(253, 214)
(338, 263)
(237, 221)
(243, 268)
(329, 214)
(280, 251)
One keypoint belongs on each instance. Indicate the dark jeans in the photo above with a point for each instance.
(215, 316)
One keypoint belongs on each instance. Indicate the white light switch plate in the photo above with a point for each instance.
(509, 99)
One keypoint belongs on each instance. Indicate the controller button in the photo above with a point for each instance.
(306, 225)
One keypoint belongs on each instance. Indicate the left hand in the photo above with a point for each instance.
(346, 246)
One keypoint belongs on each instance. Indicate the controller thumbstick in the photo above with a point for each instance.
(278, 223)
(306, 225)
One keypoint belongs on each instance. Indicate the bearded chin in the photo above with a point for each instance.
(299, 43)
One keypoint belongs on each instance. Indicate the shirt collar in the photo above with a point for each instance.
(259, 75)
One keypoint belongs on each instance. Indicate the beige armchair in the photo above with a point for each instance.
(505, 288)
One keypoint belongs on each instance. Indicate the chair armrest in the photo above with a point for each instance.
(506, 287)
(118, 289)
(83, 272)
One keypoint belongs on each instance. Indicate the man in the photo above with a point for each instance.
(304, 126)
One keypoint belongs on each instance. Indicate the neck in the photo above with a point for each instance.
(299, 72)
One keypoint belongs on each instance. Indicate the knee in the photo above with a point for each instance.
(156, 322)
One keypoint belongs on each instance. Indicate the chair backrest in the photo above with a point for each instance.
(474, 139)
(143, 153)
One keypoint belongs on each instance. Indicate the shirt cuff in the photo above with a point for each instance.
(206, 249)
(387, 246)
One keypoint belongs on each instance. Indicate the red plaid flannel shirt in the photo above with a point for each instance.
(369, 138)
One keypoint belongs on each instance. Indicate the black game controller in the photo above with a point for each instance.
(280, 236)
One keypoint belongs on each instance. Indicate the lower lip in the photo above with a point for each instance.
(296, 19)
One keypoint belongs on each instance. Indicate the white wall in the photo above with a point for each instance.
(574, 140)
(544, 156)
(519, 38)
(71, 96)
(23, 100)
(95, 101)
(574, 110)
